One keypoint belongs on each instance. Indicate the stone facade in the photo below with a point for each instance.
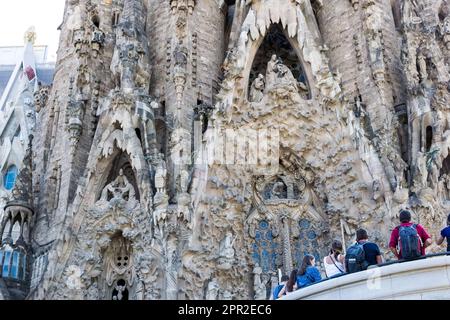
(191, 149)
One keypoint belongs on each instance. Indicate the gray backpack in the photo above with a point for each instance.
(355, 259)
(410, 242)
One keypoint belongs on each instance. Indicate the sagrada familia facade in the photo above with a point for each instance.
(196, 149)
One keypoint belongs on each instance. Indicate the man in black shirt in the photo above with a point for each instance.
(371, 250)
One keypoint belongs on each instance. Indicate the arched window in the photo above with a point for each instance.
(9, 179)
(265, 248)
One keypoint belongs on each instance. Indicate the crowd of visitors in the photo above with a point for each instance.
(408, 241)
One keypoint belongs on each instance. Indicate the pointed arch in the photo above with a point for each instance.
(276, 42)
(305, 74)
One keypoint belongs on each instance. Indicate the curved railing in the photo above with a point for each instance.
(427, 277)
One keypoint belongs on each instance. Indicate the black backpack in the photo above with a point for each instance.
(410, 242)
(355, 258)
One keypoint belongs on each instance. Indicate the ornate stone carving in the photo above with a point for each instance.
(183, 5)
(227, 252)
(213, 290)
(257, 89)
(118, 191)
(259, 287)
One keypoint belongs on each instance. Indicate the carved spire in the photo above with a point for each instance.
(22, 194)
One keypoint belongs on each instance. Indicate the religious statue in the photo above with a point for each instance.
(258, 286)
(120, 189)
(422, 169)
(422, 64)
(161, 175)
(184, 181)
(285, 75)
(227, 252)
(213, 290)
(119, 291)
(399, 166)
(446, 31)
(271, 72)
(278, 190)
(257, 88)
(446, 186)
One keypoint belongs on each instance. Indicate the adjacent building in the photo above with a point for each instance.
(25, 77)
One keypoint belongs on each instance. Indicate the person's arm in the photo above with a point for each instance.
(393, 242)
(394, 251)
(378, 256)
(316, 274)
(282, 292)
(342, 260)
(379, 259)
(426, 238)
(428, 243)
(441, 237)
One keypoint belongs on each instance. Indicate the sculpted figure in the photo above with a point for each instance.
(422, 169)
(184, 181)
(227, 252)
(213, 290)
(257, 88)
(446, 31)
(422, 64)
(272, 71)
(285, 75)
(161, 175)
(120, 189)
(277, 190)
(258, 286)
(446, 186)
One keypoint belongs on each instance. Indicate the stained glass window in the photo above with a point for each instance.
(10, 178)
(15, 265)
(6, 264)
(307, 241)
(264, 247)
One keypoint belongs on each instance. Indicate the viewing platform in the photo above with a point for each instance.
(423, 279)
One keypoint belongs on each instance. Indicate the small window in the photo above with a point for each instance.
(115, 19)
(10, 178)
(6, 264)
(15, 265)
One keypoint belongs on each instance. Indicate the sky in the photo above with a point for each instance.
(16, 16)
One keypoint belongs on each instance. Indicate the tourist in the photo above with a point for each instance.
(362, 254)
(291, 285)
(445, 234)
(308, 273)
(334, 262)
(411, 238)
(277, 290)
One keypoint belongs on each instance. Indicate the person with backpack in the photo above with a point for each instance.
(277, 290)
(445, 234)
(334, 262)
(411, 238)
(308, 273)
(362, 254)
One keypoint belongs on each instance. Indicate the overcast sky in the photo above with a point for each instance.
(16, 16)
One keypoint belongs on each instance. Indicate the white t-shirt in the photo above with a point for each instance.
(334, 268)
